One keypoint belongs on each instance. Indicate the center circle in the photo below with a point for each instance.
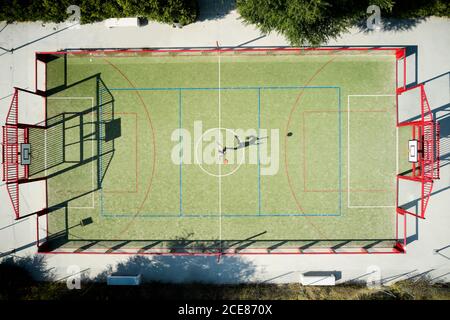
(200, 164)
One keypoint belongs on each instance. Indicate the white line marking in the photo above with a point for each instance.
(369, 207)
(348, 149)
(371, 95)
(92, 148)
(220, 165)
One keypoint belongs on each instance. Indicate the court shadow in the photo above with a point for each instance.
(74, 139)
(413, 235)
(444, 152)
(72, 142)
(189, 246)
(439, 99)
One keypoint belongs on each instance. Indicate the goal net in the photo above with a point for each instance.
(27, 110)
(415, 185)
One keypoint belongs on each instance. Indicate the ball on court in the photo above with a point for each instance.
(289, 134)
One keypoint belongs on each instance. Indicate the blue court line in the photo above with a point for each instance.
(223, 88)
(260, 214)
(237, 215)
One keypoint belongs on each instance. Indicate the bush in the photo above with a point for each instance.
(407, 9)
(313, 22)
(166, 11)
(13, 281)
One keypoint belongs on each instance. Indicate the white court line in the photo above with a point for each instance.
(359, 55)
(348, 149)
(220, 165)
(92, 148)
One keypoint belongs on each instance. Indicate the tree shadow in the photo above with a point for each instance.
(214, 9)
(390, 24)
(182, 269)
(34, 265)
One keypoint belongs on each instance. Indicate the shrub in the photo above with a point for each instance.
(312, 22)
(13, 281)
(166, 11)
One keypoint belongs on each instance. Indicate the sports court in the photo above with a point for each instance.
(131, 151)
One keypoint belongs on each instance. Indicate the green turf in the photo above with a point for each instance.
(134, 191)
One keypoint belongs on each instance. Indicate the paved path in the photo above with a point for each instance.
(432, 39)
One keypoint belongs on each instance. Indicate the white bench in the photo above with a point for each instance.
(318, 278)
(122, 22)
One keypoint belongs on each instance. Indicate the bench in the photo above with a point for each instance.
(318, 278)
(122, 280)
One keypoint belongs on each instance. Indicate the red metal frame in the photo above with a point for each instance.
(36, 73)
(14, 134)
(10, 153)
(400, 54)
(399, 51)
(427, 132)
(398, 248)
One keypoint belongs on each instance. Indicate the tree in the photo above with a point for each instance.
(313, 22)
(166, 11)
(13, 280)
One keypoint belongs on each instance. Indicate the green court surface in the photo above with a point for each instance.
(131, 156)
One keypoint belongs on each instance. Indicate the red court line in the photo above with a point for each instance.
(395, 49)
(305, 189)
(153, 141)
(286, 165)
(232, 49)
(293, 53)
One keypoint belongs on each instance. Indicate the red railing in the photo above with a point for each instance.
(11, 154)
(437, 171)
(427, 169)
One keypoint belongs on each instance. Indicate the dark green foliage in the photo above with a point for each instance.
(313, 22)
(13, 281)
(305, 21)
(167, 11)
(197, 291)
(407, 9)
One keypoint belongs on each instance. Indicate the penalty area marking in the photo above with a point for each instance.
(92, 167)
(348, 150)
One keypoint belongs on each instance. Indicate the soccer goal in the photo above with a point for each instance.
(26, 111)
(415, 185)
